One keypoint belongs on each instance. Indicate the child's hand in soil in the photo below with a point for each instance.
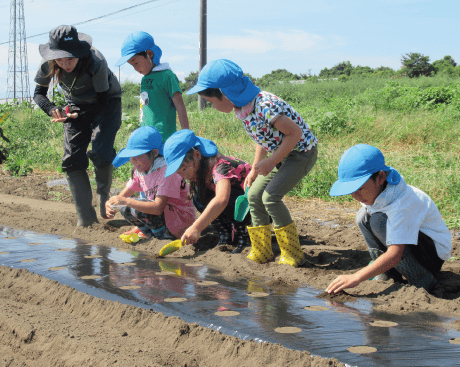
(190, 236)
(342, 282)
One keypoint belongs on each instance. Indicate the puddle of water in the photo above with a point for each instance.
(200, 294)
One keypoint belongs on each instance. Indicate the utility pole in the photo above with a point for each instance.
(203, 45)
(18, 72)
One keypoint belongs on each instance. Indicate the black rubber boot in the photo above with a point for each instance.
(82, 196)
(225, 230)
(103, 184)
(241, 238)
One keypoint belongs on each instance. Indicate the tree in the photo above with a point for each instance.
(275, 76)
(416, 64)
(343, 68)
(446, 65)
(190, 81)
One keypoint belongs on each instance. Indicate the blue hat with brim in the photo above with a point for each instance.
(357, 165)
(141, 141)
(179, 143)
(138, 42)
(228, 77)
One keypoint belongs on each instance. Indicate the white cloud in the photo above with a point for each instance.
(173, 59)
(257, 42)
(181, 75)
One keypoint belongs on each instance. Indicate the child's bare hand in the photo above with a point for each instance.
(110, 213)
(264, 167)
(342, 282)
(250, 178)
(191, 236)
(117, 200)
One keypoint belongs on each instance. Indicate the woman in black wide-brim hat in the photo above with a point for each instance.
(92, 114)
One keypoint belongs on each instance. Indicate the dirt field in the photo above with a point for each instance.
(44, 323)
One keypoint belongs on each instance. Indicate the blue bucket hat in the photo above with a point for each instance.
(179, 143)
(229, 78)
(137, 42)
(141, 141)
(357, 165)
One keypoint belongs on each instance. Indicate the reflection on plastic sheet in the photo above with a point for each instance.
(353, 333)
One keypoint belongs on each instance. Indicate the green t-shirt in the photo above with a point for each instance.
(157, 107)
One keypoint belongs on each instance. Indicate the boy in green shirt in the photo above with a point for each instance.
(161, 95)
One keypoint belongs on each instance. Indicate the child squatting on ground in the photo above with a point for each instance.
(401, 225)
(215, 183)
(277, 129)
(167, 210)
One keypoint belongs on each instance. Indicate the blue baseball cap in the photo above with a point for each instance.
(141, 141)
(228, 77)
(179, 143)
(137, 42)
(357, 165)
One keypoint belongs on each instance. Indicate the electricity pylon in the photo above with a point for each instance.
(18, 72)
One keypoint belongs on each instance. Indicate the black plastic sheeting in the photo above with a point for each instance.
(420, 339)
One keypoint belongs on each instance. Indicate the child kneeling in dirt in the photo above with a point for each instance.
(401, 225)
(215, 183)
(167, 210)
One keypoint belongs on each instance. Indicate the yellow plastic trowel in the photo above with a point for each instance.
(130, 238)
(171, 247)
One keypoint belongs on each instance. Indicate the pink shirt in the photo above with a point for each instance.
(179, 212)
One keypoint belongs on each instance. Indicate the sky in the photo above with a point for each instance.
(260, 36)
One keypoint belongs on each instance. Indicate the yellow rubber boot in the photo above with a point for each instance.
(288, 240)
(261, 244)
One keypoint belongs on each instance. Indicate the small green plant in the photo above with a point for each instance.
(56, 96)
(57, 196)
(18, 166)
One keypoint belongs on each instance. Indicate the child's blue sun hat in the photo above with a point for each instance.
(228, 77)
(357, 165)
(179, 143)
(138, 42)
(141, 141)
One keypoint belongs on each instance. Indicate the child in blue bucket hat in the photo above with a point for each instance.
(215, 183)
(161, 95)
(401, 224)
(166, 210)
(278, 130)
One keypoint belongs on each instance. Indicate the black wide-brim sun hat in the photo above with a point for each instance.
(65, 41)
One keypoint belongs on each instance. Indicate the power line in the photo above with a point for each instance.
(93, 19)
(137, 12)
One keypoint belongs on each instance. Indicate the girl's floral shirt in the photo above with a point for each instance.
(230, 168)
(258, 117)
